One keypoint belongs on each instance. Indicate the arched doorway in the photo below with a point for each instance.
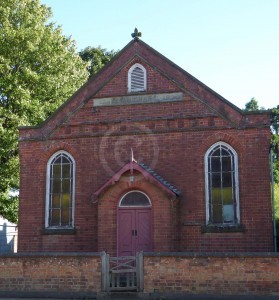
(134, 226)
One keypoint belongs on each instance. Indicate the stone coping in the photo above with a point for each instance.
(53, 254)
(147, 254)
(32, 295)
(212, 254)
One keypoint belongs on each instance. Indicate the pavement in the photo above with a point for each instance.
(181, 297)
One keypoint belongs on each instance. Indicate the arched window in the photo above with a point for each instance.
(221, 179)
(134, 198)
(136, 78)
(60, 190)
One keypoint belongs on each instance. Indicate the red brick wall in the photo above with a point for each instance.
(172, 138)
(212, 274)
(56, 274)
(166, 273)
(179, 160)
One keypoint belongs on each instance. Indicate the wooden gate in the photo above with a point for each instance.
(124, 273)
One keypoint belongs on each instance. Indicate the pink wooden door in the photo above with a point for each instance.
(143, 227)
(125, 235)
(134, 231)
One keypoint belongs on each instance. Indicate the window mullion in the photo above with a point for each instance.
(221, 187)
(233, 188)
(61, 193)
(50, 211)
(210, 188)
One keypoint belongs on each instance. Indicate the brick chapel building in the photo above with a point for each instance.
(146, 157)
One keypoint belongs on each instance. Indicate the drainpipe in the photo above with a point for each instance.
(272, 199)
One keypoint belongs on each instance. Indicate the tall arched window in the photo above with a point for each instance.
(221, 179)
(137, 78)
(60, 190)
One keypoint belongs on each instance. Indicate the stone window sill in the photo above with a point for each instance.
(222, 228)
(62, 231)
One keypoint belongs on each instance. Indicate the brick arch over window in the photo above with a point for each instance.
(60, 191)
(220, 137)
(137, 78)
(51, 149)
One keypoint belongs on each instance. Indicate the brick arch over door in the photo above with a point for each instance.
(163, 214)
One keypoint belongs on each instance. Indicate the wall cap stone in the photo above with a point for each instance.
(53, 254)
(212, 254)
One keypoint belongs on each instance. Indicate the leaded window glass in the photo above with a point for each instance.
(222, 185)
(60, 191)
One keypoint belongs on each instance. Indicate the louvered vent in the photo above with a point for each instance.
(137, 78)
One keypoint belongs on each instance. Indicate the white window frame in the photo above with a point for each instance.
(134, 191)
(48, 190)
(130, 90)
(236, 189)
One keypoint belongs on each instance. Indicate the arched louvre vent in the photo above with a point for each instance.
(137, 78)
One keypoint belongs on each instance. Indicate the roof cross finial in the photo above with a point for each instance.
(136, 34)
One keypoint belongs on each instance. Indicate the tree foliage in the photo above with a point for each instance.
(39, 69)
(275, 141)
(252, 105)
(275, 147)
(275, 120)
(276, 207)
(96, 57)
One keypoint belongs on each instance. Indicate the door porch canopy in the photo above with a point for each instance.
(149, 174)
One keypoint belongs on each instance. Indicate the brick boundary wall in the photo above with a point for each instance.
(171, 274)
(79, 275)
(43, 275)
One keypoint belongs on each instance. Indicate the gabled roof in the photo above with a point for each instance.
(138, 49)
(147, 173)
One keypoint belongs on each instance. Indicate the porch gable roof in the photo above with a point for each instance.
(147, 173)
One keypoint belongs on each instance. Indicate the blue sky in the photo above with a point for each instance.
(232, 46)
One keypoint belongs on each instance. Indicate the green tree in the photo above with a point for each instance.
(275, 141)
(275, 148)
(39, 69)
(276, 205)
(96, 57)
(275, 120)
(252, 105)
